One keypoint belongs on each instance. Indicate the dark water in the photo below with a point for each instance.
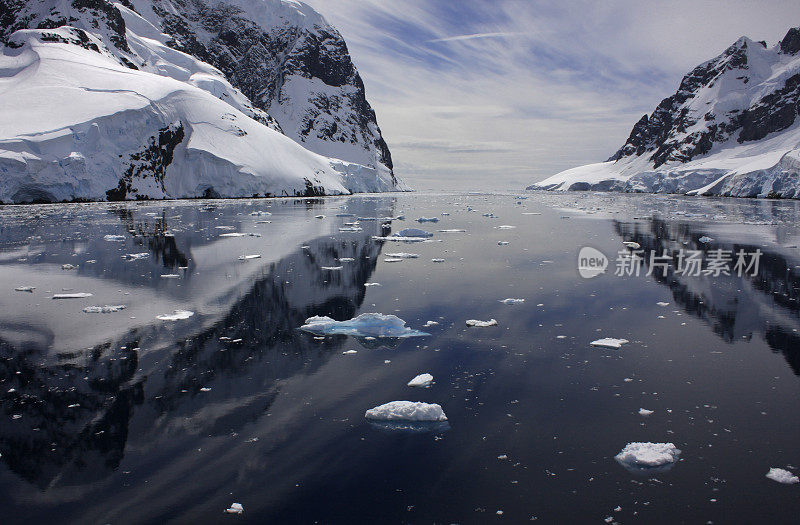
(124, 418)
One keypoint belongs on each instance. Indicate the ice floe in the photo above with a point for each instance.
(249, 257)
(437, 260)
(392, 260)
(428, 219)
(644, 412)
(365, 325)
(782, 476)
(412, 232)
(135, 256)
(28, 289)
(403, 255)
(176, 315)
(372, 284)
(422, 381)
(235, 508)
(78, 295)
(114, 238)
(331, 268)
(648, 457)
(452, 231)
(430, 323)
(512, 300)
(481, 324)
(609, 342)
(661, 303)
(406, 411)
(106, 309)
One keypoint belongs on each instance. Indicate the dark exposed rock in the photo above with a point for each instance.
(791, 42)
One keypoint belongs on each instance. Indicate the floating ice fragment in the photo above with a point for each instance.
(346, 259)
(68, 266)
(481, 324)
(170, 276)
(28, 289)
(205, 389)
(349, 352)
(506, 227)
(428, 219)
(648, 457)
(78, 295)
(350, 229)
(644, 412)
(135, 256)
(392, 260)
(365, 325)
(372, 284)
(609, 342)
(403, 255)
(176, 315)
(331, 268)
(235, 508)
(661, 303)
(422, 380)
(407, 411)
(511, 300)
(106, 309)
(632, 245)
(452, 231)
(237, 234)
(705, 239)
(430, 323)
(502, 243)
(260, 213)
(782, 476)
(412, 232)
(437, 260)
(249, 257)
(114, 238)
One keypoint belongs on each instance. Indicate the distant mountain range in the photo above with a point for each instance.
(159, 99)
(731, 129)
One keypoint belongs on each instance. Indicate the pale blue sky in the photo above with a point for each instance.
(501, 93)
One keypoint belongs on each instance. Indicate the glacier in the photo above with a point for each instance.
(106, 108)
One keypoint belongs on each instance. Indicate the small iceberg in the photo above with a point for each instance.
(481, 324)
(662, 303)
(412, 232)
(235, 508)
(506, 227)
(644, 412)
(114, 238)
(249, 257)
(453, 230)
(428, 219)
(403, 255)
(176, 315)
(610, 342)
(135, 256)
(28, 289)
(351, 229)
(437, 260)
(365, 325)
(782, 476)
(331, 268)
(648, 457)
(392, 259)
(512, 300)
(106, 309)
(406, 411)
(170, 276)
(78, 295)
(421, 381)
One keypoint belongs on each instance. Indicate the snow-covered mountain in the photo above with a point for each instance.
(731, 129)
(103, 101)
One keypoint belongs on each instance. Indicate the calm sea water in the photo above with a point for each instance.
(125, 418)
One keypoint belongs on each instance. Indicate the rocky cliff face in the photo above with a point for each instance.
(731, 128)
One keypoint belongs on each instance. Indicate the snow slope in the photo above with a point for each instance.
(731, 129)
(104, 109)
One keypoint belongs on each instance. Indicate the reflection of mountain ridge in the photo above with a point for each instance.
(76, 414)
(726, 303)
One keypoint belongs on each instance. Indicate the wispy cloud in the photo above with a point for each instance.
(475, 36)
(504, 92)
